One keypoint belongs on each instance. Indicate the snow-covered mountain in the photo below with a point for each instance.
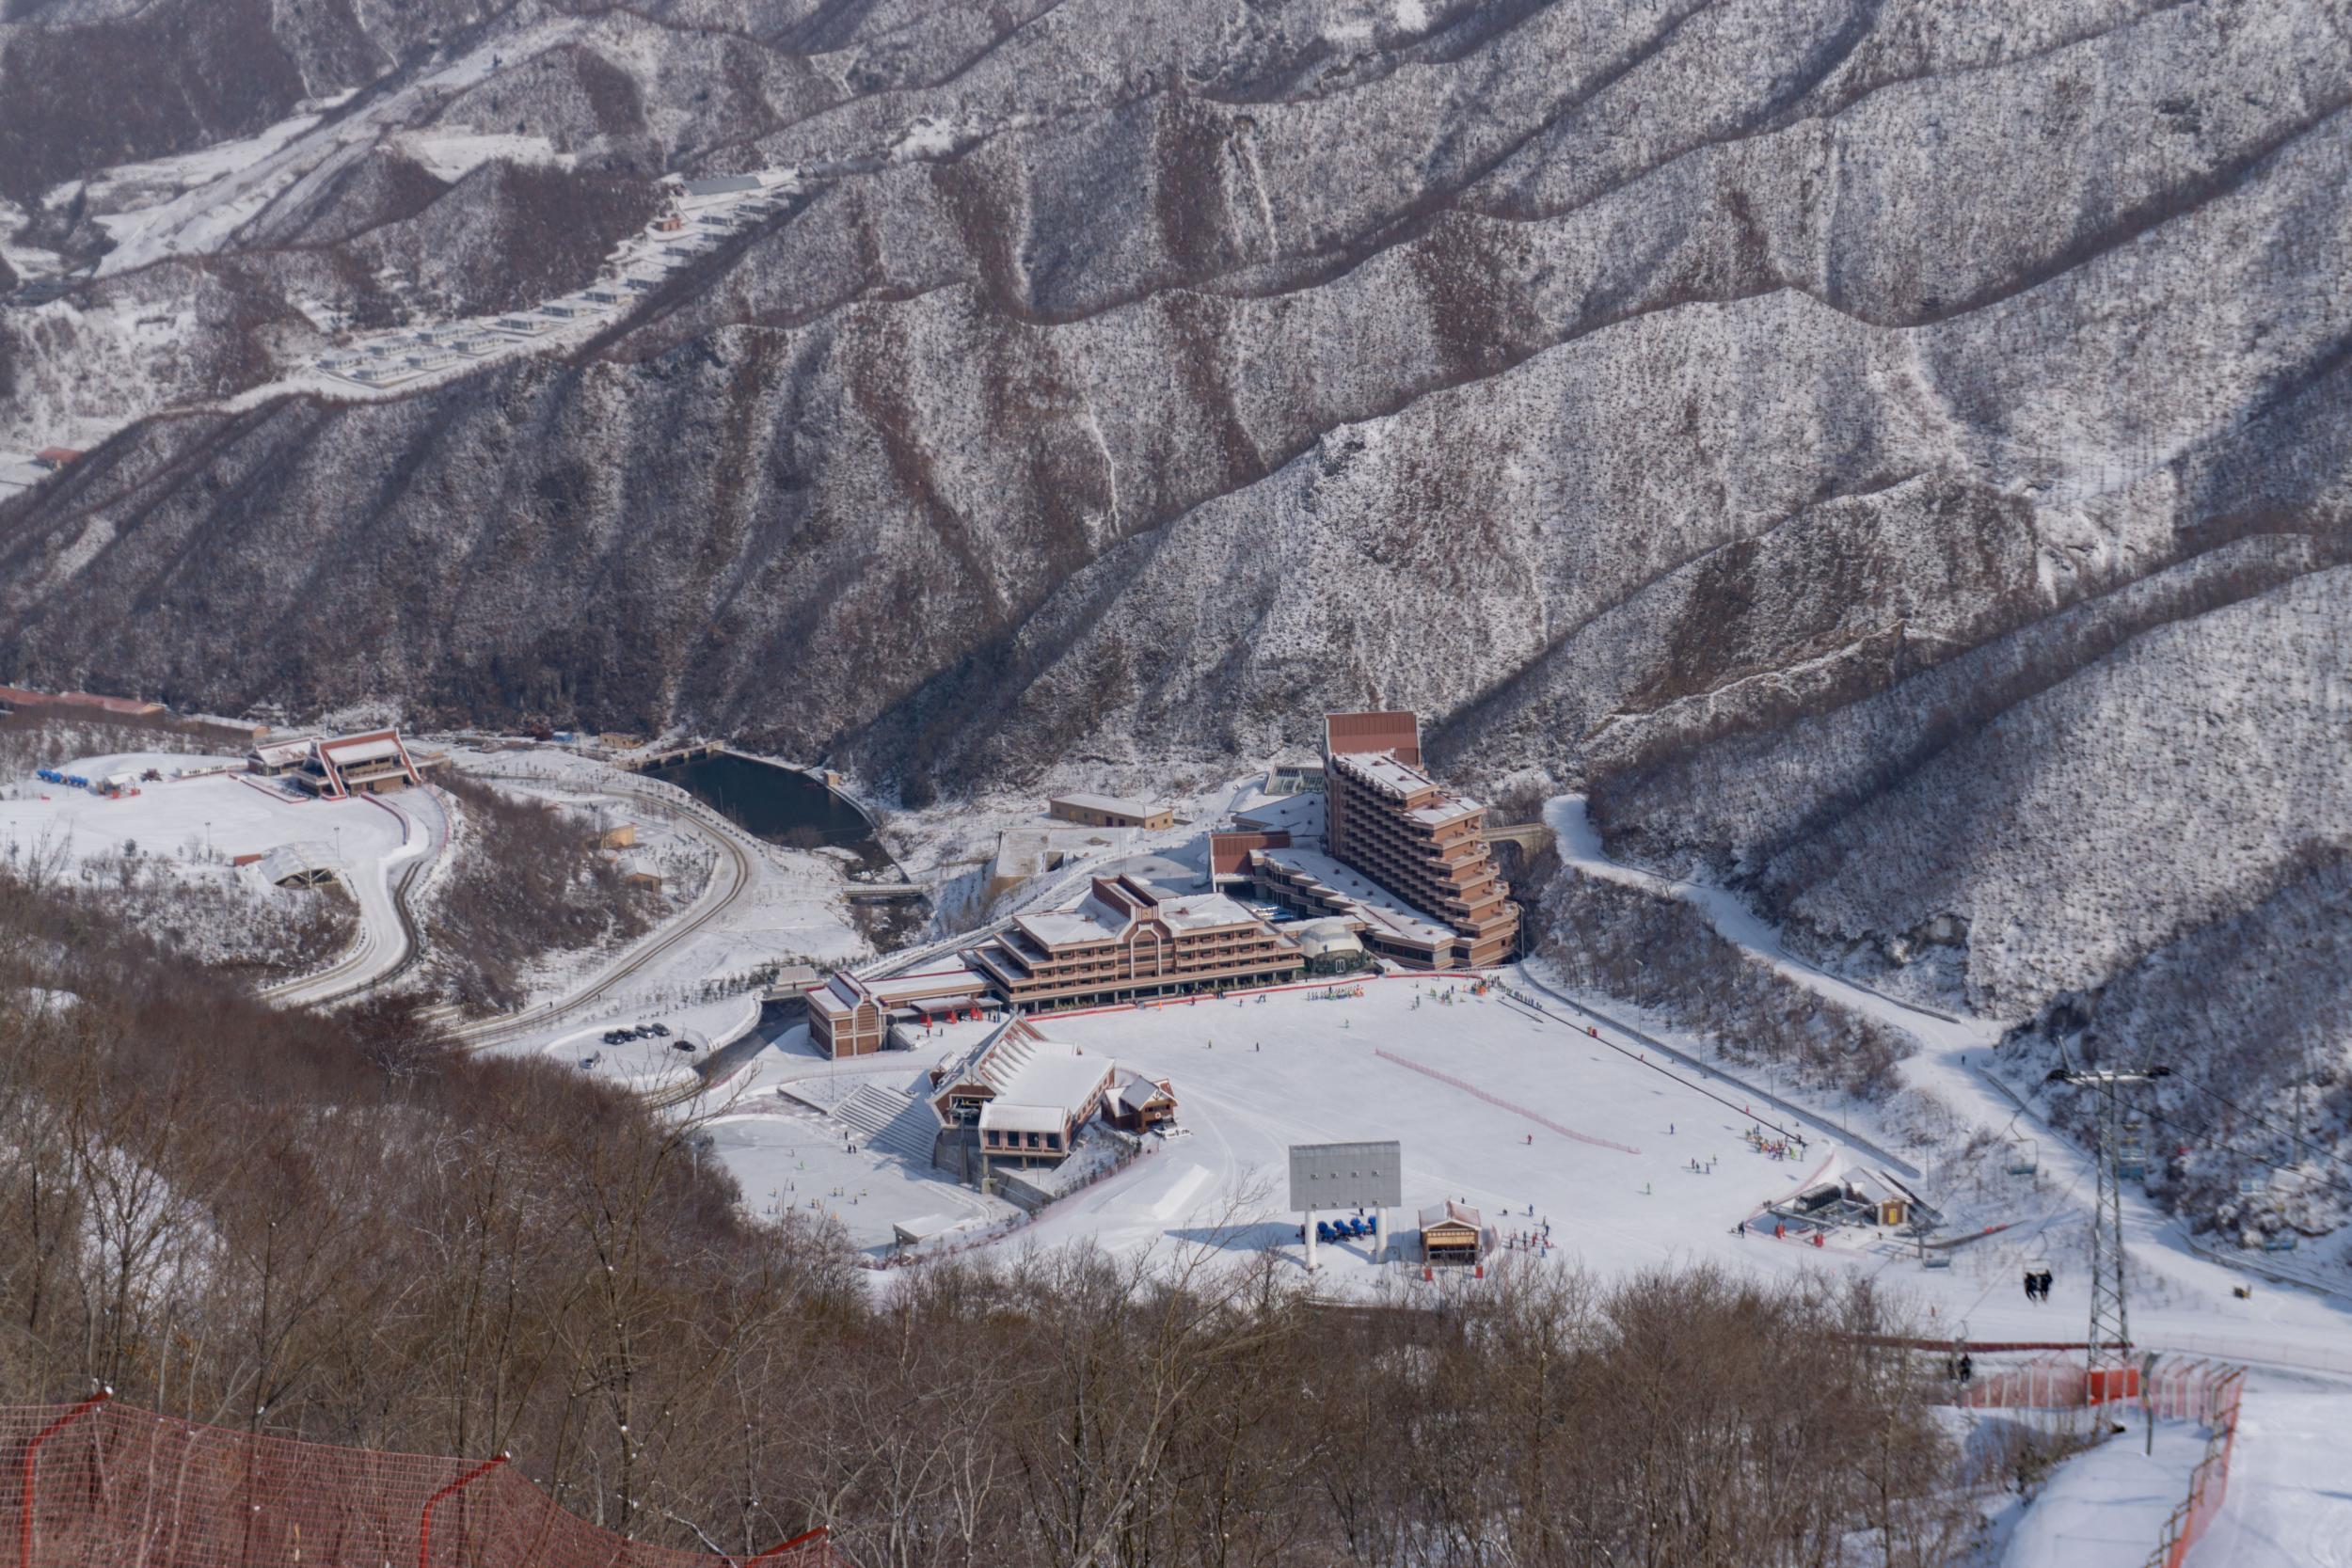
(1892, 453)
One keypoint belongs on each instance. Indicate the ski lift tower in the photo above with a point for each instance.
(2108, 1355)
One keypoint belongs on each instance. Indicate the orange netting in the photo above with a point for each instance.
(102, 1483)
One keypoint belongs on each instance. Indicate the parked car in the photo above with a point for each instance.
(661, 1031)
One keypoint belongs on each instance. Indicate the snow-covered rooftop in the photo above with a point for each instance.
(1046, 1082)
(1200, 911)
(1386, 772)
(302, 858)
(1117, 804)
(1299, 816)
(345, 753)
(1366, 900)
(1062, 928)
(1105, 917)
(954, 979)
(999, 1117)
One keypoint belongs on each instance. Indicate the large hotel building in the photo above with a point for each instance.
(1403, 859)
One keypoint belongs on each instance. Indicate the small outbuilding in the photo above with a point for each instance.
(1453, 1232)
(1330, 946)
(1141, 1103)
(299, 865)
(1110, 811)
(275, 759)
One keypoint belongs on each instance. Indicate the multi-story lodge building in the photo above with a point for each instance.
(1404, 861)
(1390, 820)
(375, 763)
(1130, 937)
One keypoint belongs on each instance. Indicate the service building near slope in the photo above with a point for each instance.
(275, 759)
(850, 1015)
(1403, 860)
(1109, 811)
(1130, 938)
(375, 763)
(1027, 1096)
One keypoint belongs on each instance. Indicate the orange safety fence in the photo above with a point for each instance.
(2209, 1484)
(102, 1483)
(2184, 1390)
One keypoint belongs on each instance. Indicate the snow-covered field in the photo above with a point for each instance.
(765, 1127)
(1293, 1068)
(2290, 1498)
(200, 826)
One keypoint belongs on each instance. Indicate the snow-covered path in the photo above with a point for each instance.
(732, 875)
(2106, 1508)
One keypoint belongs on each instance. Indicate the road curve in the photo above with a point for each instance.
(729, 881)
(389, 942)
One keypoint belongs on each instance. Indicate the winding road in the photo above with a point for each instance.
(389, 942)
(730, 880)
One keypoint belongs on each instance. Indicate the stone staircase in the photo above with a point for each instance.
(890, 1120)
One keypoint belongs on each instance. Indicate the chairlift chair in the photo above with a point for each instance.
(2131, 1151)
(2025, 1157)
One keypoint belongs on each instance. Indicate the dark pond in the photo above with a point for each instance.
(786, 806)
(771, 802)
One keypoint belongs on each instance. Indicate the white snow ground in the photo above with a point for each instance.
(2104, 1508)
(1295, 1067)
(200, 823)
(786, 1154)
(2290, 1499)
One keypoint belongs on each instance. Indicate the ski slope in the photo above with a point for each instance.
(2290, 1498)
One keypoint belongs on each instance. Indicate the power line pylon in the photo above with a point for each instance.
(2110, 1342)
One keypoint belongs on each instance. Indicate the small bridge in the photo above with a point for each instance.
(882, 892)
(1530, 836)
(679, 753)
